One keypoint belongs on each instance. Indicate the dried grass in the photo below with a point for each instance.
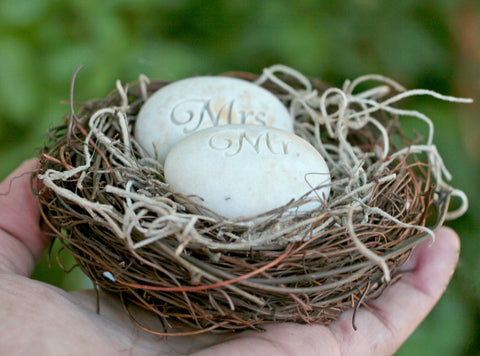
(109, 205)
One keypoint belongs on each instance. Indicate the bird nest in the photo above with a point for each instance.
(108, 204)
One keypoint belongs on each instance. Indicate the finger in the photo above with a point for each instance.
(387, 322)
(21, 239)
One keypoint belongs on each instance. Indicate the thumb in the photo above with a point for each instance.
(21, 239)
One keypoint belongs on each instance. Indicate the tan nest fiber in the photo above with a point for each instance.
(109, 205)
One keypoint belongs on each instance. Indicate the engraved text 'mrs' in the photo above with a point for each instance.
(192, 113)
(234, 144)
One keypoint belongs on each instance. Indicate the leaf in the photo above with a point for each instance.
(18, 88)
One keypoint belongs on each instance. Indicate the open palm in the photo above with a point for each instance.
(39, 319)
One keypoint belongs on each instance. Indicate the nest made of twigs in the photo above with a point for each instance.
(109, 205)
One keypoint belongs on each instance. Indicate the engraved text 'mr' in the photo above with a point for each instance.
(233, 145)
(192, 113)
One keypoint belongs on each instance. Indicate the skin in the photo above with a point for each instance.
(37, 318)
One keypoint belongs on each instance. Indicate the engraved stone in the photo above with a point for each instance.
(189, 105)
(245, 170)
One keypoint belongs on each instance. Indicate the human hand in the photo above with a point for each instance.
(37, 318)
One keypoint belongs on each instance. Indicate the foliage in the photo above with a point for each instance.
(429, 44)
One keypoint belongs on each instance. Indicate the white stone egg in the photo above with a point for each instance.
(189, 105)
(240, 171)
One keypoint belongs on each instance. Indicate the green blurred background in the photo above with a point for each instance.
(422, 44)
